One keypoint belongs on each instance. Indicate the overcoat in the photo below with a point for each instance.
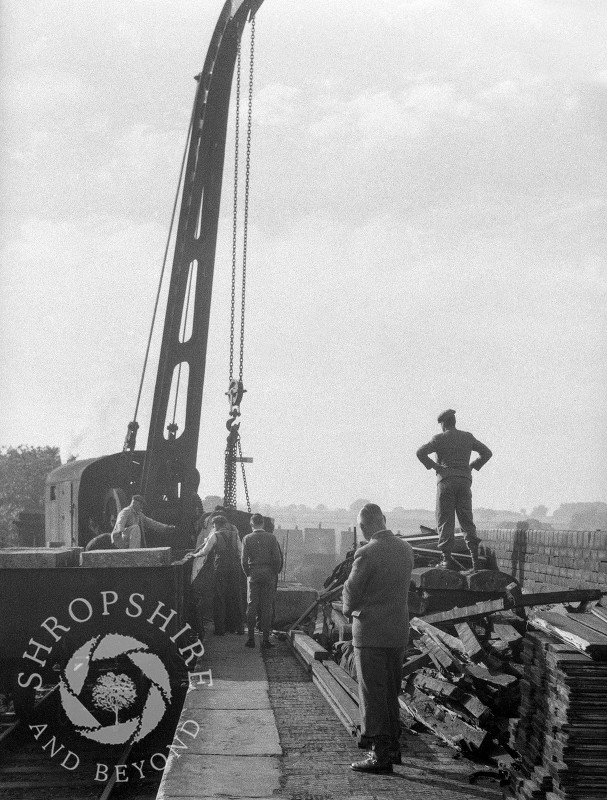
(375, 594)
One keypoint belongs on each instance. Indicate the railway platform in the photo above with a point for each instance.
(262, 730)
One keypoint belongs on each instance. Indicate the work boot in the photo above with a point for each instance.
(266, 645)
(448, 562)
(395, 756)
(250, 643)
(372, 764)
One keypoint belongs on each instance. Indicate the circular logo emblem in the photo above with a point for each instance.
(113, 693)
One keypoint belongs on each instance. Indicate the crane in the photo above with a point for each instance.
(165, 472)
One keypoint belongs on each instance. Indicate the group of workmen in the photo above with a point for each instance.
(257, 558)
(375, 595)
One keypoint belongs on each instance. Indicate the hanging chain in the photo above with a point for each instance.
(229, 474)
(246, 195)
(244, 477)
(235, 214)
(236, 389)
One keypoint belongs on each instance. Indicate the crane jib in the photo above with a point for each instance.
(170, 460)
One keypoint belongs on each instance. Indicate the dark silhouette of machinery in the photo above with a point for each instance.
(83, 494)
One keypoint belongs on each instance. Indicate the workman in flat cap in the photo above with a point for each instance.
(453, 449)
(133, 523)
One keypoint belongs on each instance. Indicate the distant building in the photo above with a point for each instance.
(291, 540)
(319, 540)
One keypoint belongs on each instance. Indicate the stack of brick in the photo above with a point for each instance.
(561, 733)
(568, 559)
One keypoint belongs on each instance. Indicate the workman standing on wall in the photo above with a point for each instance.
(375, 596)
(453, 492)
(261, 562)
(133, 522)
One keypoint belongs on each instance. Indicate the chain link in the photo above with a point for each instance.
(229, 476)
(233, 447)
(244, 478)
(246, 195)
(235, 214)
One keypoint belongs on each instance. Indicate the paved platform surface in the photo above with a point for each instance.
(263, 730)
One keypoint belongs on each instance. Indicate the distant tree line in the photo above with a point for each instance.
(23, 471)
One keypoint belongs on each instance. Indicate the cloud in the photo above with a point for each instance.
(275, 106)
(43, 95)
(392, 114)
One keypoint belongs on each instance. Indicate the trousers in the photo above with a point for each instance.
(261, 588)
(454, 496)
(379, 673)
(227, 608)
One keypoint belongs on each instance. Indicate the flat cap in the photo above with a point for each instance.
(445, 414)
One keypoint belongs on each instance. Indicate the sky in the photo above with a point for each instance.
(426, 230)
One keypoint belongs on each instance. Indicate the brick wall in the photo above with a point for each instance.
(537, 559)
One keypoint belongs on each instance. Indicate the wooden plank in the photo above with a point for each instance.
(599, 612)
(452, 642)
(482, 674)
(565, 596)
(340, 701)
(527, 600)
(308, 648)
(439, 654)
(446, 725)
(346, 681)
(459, 701)
(472, 646)
(507, 633)
(591, 621)
(416, 662)
(468, 612)
(338, 618)
(584, 639)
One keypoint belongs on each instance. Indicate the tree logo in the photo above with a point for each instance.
(115, 692)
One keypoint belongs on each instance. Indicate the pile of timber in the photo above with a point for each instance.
(463, 681)
(561, 733)
(483, 683)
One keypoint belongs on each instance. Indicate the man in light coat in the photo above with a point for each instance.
(375, 597)
(133, 523)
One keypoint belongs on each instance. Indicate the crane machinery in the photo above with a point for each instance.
(165, 472)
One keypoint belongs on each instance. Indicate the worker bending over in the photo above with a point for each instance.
(261, 562)
(453, 492)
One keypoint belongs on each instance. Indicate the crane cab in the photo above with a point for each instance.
(84, 495)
